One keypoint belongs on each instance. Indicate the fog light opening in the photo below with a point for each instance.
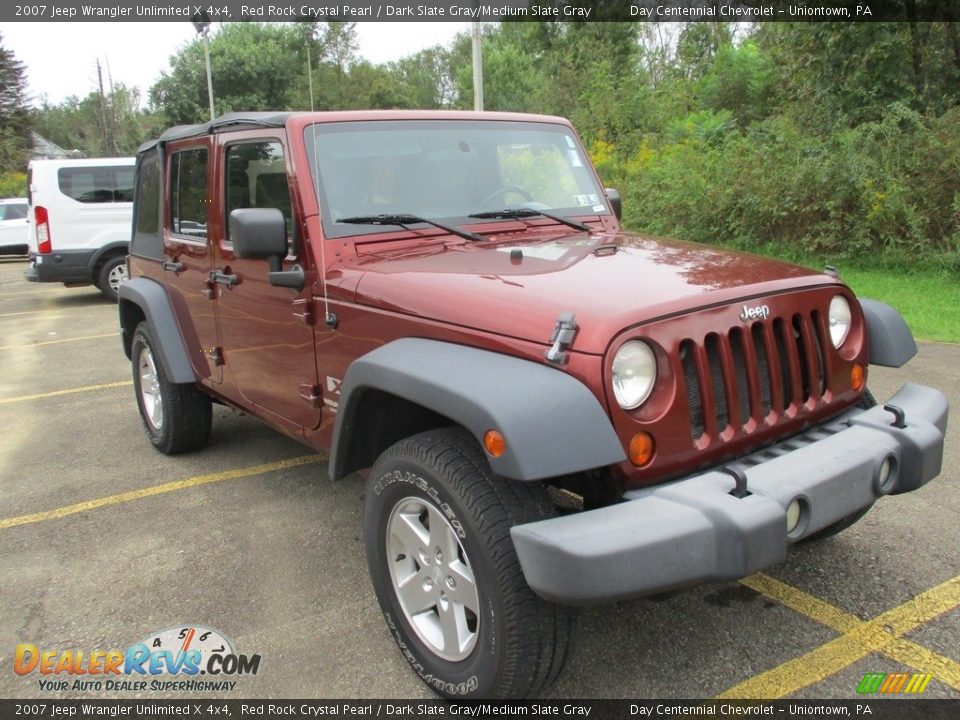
(887, 475)
(797, 516)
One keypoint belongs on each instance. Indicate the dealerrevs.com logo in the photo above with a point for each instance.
(170, 660)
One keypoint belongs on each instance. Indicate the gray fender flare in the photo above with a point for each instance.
(891, 342)
(552, 423)
(151, 298)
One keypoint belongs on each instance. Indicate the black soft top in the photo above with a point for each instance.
(231, 120)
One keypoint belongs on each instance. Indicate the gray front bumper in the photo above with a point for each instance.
(694, 530)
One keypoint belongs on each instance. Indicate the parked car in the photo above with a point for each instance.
(13, 226)
(553, 412)
(81, 213)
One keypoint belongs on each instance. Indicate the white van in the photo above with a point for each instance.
(81, 216)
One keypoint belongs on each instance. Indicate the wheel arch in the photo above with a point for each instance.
(552, 423)
(108, 251)
(144, 299)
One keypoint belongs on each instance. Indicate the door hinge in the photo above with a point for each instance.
(216, 356)
(303, 310)
(310, 394)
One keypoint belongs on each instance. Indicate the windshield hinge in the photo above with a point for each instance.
(562, 339)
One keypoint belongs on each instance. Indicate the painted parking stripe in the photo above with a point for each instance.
(883, 632)
(69, 391)
(902, 650)
(57, 342)
(158, 490)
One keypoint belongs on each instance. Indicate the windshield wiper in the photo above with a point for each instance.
(402, 220)
(510, 213)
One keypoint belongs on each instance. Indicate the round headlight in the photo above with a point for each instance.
(839, 320)
(634, 373)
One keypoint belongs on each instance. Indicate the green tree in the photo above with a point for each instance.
(14, 116)
(76, 124)
(255, 66)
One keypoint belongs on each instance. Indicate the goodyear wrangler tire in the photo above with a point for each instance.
(437, 531)
(176, 417)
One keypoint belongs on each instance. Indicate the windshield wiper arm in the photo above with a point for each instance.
(402, 220)
(510, 213)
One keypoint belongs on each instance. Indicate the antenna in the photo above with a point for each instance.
(329, 318)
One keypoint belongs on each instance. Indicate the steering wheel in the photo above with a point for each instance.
(504, 191)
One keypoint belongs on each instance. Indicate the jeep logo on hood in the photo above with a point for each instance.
(754, 313)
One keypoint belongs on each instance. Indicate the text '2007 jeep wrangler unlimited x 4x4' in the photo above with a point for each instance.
(556, 413)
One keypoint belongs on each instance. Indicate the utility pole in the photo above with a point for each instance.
(106, 126)
(201, 23)
(477, 68)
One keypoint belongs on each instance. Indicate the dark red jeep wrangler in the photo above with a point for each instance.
(556, 413)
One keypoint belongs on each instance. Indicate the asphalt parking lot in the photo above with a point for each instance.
(104, 542)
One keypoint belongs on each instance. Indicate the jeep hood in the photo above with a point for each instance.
(518, 287)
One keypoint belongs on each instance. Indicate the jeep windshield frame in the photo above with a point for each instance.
(447, 170)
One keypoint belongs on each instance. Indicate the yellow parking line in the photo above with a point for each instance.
(873, 636)
(158, 490)
(901, 650)
(70, 391)
(56, 342)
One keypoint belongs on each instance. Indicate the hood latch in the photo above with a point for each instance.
(562, 339)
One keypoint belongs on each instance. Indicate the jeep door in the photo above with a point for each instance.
(187, 258)
(268, 341)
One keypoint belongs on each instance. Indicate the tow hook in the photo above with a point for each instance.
(740, 490)
(899, 416)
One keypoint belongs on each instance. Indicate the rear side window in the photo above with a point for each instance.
(97, 184)
(188, 193)
(146, 224)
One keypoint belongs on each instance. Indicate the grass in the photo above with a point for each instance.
(929, 301)
(926, 295)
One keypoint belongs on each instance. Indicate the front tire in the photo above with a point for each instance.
(437, 531)
(177, 417)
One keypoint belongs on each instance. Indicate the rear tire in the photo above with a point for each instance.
(177, 417)
(437, 530)
(865, 402)
(112, 274)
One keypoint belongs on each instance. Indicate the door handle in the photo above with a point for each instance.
(173, 266)
(216, 276)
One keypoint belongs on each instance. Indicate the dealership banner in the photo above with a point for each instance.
(483, 11)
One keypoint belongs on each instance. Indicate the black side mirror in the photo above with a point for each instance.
(258, 233)
(614, 197)
(261, 234)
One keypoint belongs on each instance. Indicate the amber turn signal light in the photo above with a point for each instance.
(494, 443)
(858, 376)
(641, 449)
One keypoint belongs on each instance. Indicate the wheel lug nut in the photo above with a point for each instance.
(451, 583)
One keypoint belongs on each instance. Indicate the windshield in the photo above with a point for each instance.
(447, 170)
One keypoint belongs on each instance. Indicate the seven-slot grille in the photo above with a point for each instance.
(751, 371)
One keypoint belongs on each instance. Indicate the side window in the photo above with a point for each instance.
(257, 178)
(188, 193)
(148, 205)
(146, 236)
(97, 184)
